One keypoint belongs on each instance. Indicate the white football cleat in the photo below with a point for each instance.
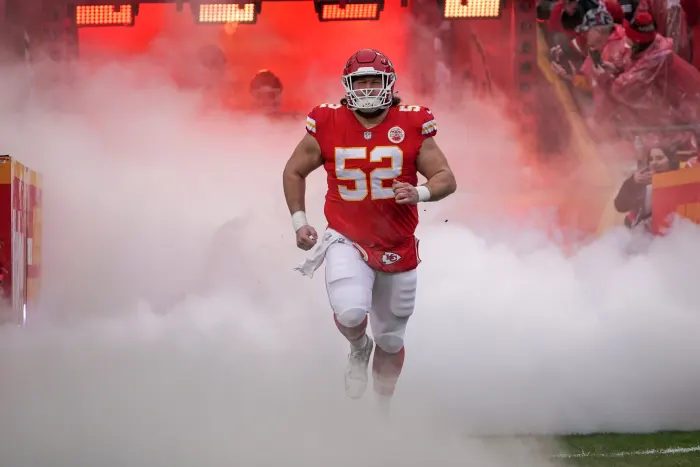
(356, 377)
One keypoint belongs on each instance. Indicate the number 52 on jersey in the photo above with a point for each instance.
(374, 183)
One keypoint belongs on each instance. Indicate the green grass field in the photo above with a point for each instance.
(666, 449)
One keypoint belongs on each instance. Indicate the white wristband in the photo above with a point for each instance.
(423, 193)
(299, 220)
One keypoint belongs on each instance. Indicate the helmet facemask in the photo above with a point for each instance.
(371, 99)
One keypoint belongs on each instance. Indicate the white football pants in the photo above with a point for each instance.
(355, 290)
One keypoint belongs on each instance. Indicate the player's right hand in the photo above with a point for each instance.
(306, 237)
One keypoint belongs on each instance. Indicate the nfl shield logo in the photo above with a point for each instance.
(368, 135)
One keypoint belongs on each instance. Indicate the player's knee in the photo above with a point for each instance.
(350, 295)
(389, 343)
(350, 317)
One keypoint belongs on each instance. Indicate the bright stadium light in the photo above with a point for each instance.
(105, 15)
(340, 10)
(470, 9)
(226, 12)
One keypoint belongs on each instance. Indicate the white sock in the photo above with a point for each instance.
(360, 343)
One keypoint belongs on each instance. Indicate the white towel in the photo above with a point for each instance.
(318, 255)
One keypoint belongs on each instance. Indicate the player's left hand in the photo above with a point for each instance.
(405, 193)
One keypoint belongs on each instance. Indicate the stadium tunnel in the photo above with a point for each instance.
(486, 48)
(295, 38)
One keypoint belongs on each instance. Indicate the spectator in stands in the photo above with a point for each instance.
(606, 43)
(671, 22)
(566, 67)
(634, 197)
(569, 48)
(653, 86)
(544, 10)
(567, 15)
(604, 36)
(552, 11)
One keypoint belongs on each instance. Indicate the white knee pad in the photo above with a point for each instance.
(350, 317)
(350, 301)
(389, 343)
(349, 283)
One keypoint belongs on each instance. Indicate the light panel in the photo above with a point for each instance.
(351, 11)
(225, 13)
(104, 15)
(476, 9)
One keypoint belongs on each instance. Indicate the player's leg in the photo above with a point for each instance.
(349, 283)
(393, 302)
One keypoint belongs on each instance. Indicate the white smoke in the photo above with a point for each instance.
(511, 335)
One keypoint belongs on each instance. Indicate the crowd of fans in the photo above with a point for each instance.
(629, 65)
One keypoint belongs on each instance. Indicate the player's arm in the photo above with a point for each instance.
(305, 159)
(433, 165)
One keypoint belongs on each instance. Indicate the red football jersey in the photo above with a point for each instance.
(362, 163)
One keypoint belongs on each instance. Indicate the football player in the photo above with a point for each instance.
(372, 148)
(266, 89)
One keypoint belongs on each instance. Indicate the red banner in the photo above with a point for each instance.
(20, 240)
(675, 193)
